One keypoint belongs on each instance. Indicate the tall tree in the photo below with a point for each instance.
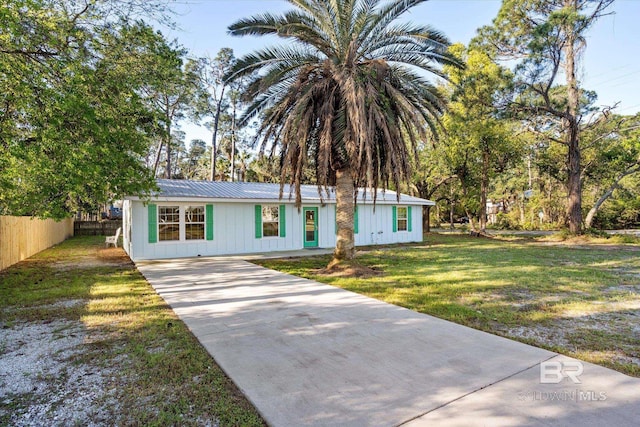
(236, 103)
(347, 93)
(547, 38)
(476, 134)
(212, 96)
(169, 90)
(74, 127)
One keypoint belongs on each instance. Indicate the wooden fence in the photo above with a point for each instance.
(96, 228)
(22, 237)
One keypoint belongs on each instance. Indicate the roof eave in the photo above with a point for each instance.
(179, 199)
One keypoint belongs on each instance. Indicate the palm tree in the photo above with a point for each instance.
(349, 93)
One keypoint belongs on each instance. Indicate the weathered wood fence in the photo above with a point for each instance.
(22, 237)
(96, 228)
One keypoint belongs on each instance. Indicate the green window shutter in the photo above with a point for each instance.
(209, 222)
(335, 215)
(355, 219)
(394, 217)
(283, 221)
(409, 218)
(153, 223)
(258, 221)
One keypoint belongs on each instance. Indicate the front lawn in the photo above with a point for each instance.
(579, 300)
(85, 340)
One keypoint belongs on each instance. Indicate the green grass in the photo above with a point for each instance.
(583, 301)
(164, 376)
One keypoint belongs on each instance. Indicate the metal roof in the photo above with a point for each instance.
(186, 189)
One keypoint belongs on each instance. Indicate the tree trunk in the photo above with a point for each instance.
(233, 143)
(157, 162)
(426, 221)
(345, 245)
(574, 182)
(596, 207)
(426, 193)
(451, 211)
(214, 138)
(484, 188)
(167, 173)
(594, 210)
(472, 223)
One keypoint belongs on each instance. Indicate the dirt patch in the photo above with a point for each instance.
(583, 243)
(42, 382)
(620, 323)
(105, 257)
(114, 256)
(349, 270)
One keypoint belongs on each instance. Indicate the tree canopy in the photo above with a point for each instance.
(74, 126)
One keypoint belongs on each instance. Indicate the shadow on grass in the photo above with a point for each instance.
(543, 295)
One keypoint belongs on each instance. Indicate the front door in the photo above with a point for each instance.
(310, 227)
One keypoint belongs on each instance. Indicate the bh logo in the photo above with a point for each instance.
(554, 372)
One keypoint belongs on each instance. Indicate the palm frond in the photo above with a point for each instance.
(387, 14)
(272, 56)
(258, 25)
(353, 91)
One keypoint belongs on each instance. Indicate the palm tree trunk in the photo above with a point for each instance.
(345, 245)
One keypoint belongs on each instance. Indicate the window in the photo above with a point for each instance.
(168, 223)
(194, 222)
(270, 221)
(402, 219)
(180, 223)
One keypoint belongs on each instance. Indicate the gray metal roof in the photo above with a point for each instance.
(185, 189)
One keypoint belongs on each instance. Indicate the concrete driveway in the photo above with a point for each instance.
(309, 354)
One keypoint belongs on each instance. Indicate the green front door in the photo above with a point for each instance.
(310, 227)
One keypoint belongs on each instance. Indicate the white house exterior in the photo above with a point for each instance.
(204, 218)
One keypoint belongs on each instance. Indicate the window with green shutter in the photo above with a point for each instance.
(169, 223)
(195, 224)
(401, 218)
(270, 221)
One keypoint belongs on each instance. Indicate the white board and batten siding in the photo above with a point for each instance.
(232, 215)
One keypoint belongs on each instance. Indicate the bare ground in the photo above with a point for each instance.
(40, 385)
(44, 379)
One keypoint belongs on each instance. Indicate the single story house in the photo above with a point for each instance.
(203, 218)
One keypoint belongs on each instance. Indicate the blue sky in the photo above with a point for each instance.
(611, 63)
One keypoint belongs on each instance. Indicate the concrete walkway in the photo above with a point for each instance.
(309, 354)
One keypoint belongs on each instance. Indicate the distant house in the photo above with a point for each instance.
(204, 218)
